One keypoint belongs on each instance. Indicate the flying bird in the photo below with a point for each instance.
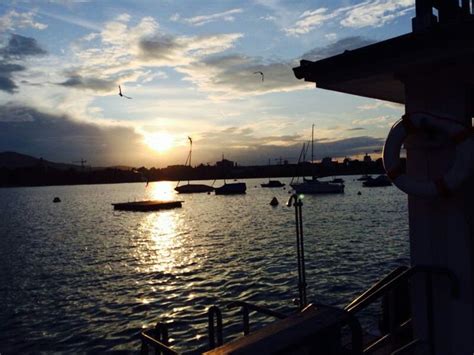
(122, 95)
(259, 72)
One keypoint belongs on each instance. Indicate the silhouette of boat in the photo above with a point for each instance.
(192, 188)
(145, 206)
(313, 185)
(273, 183)
(379, 181)
(231, 189)
(337, 181)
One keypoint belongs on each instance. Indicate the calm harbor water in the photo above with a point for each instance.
(78, 276)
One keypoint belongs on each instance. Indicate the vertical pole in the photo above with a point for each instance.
(298, 253)
(302, 263)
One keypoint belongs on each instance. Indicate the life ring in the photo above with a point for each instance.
(463, 165)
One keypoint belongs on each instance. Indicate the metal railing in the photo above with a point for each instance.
(215, 327)
(157, 339)
(248, 307)
(389, 283)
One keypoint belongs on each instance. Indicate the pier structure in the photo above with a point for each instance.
(429, 70)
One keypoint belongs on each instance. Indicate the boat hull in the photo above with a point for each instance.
(318, 187)
(231, 189)
(379, 181)
(193, 188)
(145, 206)
(273, 184)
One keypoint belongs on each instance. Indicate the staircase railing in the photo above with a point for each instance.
(390, 283)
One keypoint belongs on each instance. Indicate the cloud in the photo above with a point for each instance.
(61, 138)
(176, 51)
(13, 20)
(309, 20)
(20, 47)
(95, 84)
(6, 76)
(17, 48)
(356, 129)
(376, 13)
(230, 75)
(204, 19)
(370, 13)
(377, 104)
(337, 47)
(382, 121)
(243, 145)
(122, 52)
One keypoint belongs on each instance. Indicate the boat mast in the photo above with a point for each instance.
(312, 144)
(190, 153)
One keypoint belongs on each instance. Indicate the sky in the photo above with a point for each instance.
(189, 68)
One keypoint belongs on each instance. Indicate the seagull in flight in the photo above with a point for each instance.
(259, 72)
(122, 95)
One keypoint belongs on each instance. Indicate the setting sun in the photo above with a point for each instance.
(159, 142)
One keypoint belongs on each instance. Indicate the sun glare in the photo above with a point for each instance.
(159, 142)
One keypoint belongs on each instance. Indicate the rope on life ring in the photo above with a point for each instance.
(463, 165)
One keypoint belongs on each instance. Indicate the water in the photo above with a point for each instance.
(78, 276)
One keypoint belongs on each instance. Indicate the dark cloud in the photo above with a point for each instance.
(234, 73)
(63, 139)
(79, 82)
(356, 129)
(6, 73)
(160, 47)
(241, 145)
(19, 47)
(337, 47)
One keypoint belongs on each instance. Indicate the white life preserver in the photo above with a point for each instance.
(463, 165)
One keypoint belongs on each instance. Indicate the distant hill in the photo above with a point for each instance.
(13, 160)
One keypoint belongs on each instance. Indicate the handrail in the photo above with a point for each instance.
(392, 275)
(157, 345)
(215, 312)
(252, 307)
(352, 308)
(384, 288)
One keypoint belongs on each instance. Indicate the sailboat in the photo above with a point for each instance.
(235, 188)
(192, 188)
(272, 183)
(313, 185)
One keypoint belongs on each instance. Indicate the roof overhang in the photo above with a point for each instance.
(379, 70)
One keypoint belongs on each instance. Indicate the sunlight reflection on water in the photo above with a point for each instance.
(163, 191)
(91, 278)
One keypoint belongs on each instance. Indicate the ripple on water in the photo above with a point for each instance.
(78, 276)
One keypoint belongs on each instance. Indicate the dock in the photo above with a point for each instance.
(146, 206)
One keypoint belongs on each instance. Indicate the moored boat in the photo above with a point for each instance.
(192, 188)
(273, 183)
(145, 206)
(231, 189)
(313, 185)
(379, 181)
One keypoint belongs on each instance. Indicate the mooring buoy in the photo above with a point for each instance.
(274, 202)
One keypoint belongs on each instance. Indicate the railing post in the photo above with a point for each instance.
(215, 312)
(245, 314)
(144, 348)
(429, 310)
